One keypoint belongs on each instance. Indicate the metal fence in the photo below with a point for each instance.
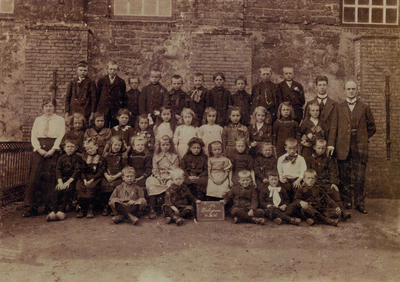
(15, 164)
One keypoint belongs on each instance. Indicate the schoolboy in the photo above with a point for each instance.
(153, 96)
(245, 200)
(127, 199)
(242, 99)
(273, 200)
(178, 199)
(291, 91)
(328, 174)
(81, 94)
(140, 160)
(133, 99)
(177, 97)
(291, 167)
(265, 93)
(198, 96)
(111, 94)
(67, 170)
(264, 163)
(313, 203)
(241, 160)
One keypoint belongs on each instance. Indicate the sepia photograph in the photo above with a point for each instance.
(199, 140)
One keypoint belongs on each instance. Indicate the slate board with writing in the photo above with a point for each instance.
(210, 211)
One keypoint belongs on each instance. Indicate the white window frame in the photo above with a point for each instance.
(6, 12)
(370, 7)
(157, 16)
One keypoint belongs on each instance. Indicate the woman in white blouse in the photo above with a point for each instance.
(47, 133)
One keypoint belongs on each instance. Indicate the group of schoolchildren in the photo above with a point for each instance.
(164, 152)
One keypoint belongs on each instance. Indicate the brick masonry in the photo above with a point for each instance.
(232, 36)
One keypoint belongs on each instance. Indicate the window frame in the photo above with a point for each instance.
(7, 15)
(144, 18)
(369, 23)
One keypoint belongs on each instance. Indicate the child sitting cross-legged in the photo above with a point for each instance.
(245, 200)
(313, 203)
(178, 199)
(127, 198)
(274, 200)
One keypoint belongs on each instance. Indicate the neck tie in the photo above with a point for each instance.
(46, 128)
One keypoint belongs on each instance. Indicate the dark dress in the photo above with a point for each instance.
(196, 166)
(92, 168)
(113, 164)
(264, 134)
(262, 165)
(220, 98)
(126, 133)
(283, 129)
(142, 163)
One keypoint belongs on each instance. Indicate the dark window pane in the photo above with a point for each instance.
(377, 2)
(391, 2)
(350, 2)
(363, 15)
(363, 2)
(391, 16)
(377, 15)
(349, 15)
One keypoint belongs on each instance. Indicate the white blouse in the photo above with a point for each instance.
(56, 130)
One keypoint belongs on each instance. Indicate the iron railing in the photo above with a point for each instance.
(15, 164)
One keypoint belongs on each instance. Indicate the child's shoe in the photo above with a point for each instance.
(81, 213)
(90, 212)
(310, 221)
(30, 212)
(133, 219)
(295, 221)
(51, 216)
(346, 215)
(118, 218)
(178, 220)
(333, 222)
(105, 212)
(277, 221)
(168, 220)
(258, 220)
(236, 220)
(152, 214)
(60, 215)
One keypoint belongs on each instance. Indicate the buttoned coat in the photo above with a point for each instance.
(111, 97)
(81, 97)
(296, 98)
(265, 94)
(365, 129)
(328, 119)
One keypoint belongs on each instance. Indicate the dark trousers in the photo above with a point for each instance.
(242, 213)
(182, 211)
(352, 176)
(85, 203)
(273, 212)
(61, 198)
(290, 190)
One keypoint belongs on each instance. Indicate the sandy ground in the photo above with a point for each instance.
(365, 248)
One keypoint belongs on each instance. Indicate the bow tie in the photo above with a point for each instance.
(351, 103)
(291, 159)
(274, 194)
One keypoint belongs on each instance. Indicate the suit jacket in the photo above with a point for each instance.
(265, 94)
(111, 97)
(365, 129)
(296, 98)
(328, 119)
(81, 97)
(151, 99)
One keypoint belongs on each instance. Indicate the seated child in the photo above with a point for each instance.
(328, 174)
(233, 131)
(194, 164)
(274, 200)
(67, 170)
(264, 163)
(178, 199)
(123, 130)
(185, 132)
(133, 99)
(140, 160)
(241, 160)
(245, 200)
(291, 168)
(178, 99)
(313, 203)
(89, 183)
(164, 160)
(100, 134)
(219, 171)
(127, 198)
(114, 163)
(143, 129)
(76, 132)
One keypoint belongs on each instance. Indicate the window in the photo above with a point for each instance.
(375, 12)
(6, 6)
(144, 9)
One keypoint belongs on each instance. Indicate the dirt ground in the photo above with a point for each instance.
(366, 248)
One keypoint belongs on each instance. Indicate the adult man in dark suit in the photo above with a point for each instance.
(355, 126)
(293, 92)
(264, 93)
(81, 94)
(328, 112)
(111, 94)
